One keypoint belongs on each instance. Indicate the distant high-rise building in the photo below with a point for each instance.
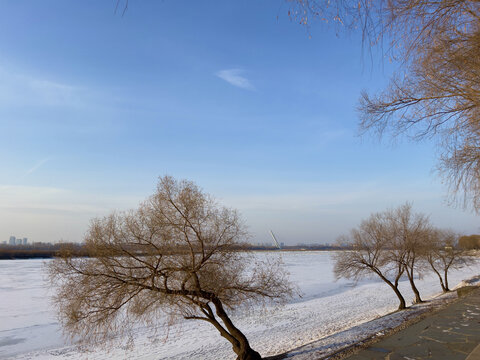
(25, 240)
(12, 240)
(18, 241)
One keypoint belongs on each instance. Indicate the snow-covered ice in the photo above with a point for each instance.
(29, 329)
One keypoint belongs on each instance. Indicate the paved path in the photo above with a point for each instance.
(450, 334)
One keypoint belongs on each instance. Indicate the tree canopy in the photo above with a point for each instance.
(177, 254)
(436, 91)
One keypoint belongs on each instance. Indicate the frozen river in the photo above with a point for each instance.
(29, 329)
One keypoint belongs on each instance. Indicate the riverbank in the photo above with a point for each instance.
(326, 310)
(369, 335)
(451, 333)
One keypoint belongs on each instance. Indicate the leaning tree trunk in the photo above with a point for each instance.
(442, 284)
(418, 299)
(444, 288)
(247, 354)
(401, 299)
(240, 344)
(394, 287)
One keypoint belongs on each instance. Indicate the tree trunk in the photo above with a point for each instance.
(240, 345)
(394, 287)
(418, 299)
(446, 280)
(402, 304)
(248, 354)
(444, 288)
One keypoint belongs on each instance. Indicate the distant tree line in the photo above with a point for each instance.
(40, 250)
(47, 250)
(298, 247)
(469, 242)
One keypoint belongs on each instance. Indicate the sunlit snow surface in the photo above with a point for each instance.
(29, 329)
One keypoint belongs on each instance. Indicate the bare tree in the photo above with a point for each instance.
(444, 255)
(177, 254)
(389, 244)
(372, 254)
(409, 232)
(436, 91)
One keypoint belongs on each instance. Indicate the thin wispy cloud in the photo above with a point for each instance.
(234, 77)
(55, 199)
(17, 88)
(54, 93)
(35, 167)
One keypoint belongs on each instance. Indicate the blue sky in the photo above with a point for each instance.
(256, 109)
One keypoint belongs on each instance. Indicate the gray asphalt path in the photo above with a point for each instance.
(452, 333)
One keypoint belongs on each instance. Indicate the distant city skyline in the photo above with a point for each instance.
(258, 110)
(13, 240)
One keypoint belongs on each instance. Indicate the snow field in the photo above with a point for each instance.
(29, 330)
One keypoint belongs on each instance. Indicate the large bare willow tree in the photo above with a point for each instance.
(436, 91)
(177, 254)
